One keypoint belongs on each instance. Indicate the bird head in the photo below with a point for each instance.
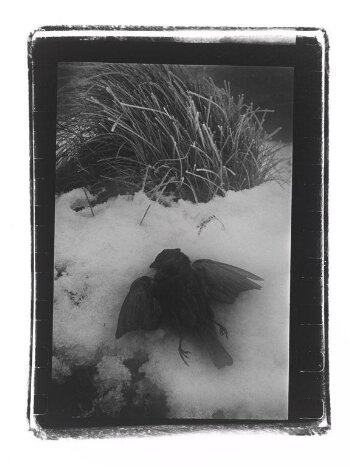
(170, 257)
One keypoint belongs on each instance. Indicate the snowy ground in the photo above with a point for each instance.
(97, 258)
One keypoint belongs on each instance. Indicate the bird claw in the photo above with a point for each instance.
(184, 354)
(222, 330)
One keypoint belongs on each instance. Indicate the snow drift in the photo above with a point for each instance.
(98, 257)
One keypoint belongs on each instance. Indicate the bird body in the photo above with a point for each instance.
(179, 297)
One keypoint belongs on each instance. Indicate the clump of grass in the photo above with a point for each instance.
(130, 127)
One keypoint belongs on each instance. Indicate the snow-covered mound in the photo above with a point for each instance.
(98, 257)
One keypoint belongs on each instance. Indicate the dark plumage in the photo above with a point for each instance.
(180, 296)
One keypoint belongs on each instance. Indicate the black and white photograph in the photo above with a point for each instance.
(172, 243)
(174, 210)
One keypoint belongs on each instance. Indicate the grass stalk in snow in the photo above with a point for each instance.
(151, 127)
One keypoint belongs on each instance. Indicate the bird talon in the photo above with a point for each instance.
(186, 363)
(222, 330)
(184, 354)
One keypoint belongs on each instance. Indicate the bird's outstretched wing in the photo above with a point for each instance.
(140, 309)
(223, 282)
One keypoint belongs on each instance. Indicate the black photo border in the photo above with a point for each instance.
(309, 403)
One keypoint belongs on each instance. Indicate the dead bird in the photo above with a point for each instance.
(179, 297)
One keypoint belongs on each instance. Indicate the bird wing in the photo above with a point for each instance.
(140, 309)
(223, 282)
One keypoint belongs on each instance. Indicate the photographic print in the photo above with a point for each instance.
(172, 243)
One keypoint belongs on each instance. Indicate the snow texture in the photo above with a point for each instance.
(98, 257)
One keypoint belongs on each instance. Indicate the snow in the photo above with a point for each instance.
(98, 257)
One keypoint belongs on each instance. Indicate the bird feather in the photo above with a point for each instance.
(223, 282)
(140, 309)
